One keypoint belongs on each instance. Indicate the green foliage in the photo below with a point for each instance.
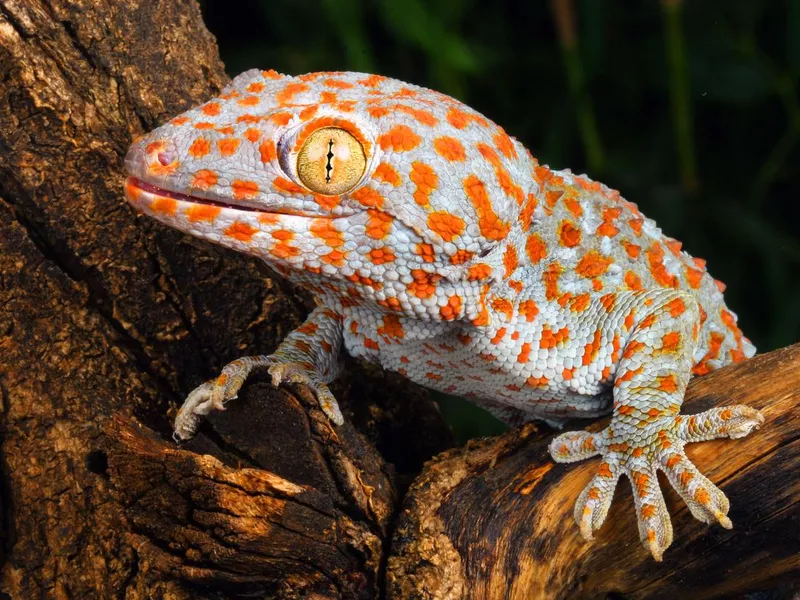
(691, 111)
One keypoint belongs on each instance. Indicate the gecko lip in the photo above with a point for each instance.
(154, 189)
(159, 191)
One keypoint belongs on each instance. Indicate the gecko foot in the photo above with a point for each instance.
(638, 454)
(214, 393)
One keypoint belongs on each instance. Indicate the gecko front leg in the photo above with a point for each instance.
(647, 433)
(309, 355)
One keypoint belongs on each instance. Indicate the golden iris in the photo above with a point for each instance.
(331, 161)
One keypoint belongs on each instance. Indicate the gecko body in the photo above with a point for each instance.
(438, 247)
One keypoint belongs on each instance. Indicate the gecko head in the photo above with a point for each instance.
(392, 189)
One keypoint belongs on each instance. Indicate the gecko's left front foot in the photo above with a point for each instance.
(639, 454)
(213, 394)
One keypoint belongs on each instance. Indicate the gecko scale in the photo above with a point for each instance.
(438, 247)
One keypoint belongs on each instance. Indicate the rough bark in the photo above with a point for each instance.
(105, 313)
(494, 519)
(107, 321)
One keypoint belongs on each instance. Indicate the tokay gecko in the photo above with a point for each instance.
(436, 246)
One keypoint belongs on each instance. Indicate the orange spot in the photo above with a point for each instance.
(667, 383)
(670, 341)
(604, 470)
(381, 256)
(308, 112)
(648, 510)
(203, 125)
(702, 496)
(212, 109)
(591, 349)
(337, 84)
(248, 101)
(327, 202)
(510, 260)
(693, 277)
(633, 281)
(640, 482)
(285, 185)
(255, 87)
(451, 310)
(204, 179)
(386, 173)
(537, 381)
(632, 249)
(655, 260)
(524, 353)
(324, 230)
(460, 257)
(535, 248)
(228, 146)
(529, 310)
(568, 234)
(491, 227)
(505, 145)
(426, 180)
(289, 92)
(479, 271)
(551, 276)
(399, 138)
(372, 80)
(526, 216)
(498, 336)
(199, 148)
(244, 189)
(458, 118)
(368, 197)
(648, 321)
(573, 206)
(424, 284)
(425, 251)
(503, 306)
(632, 348)
(449, 148)
(392, 327)
(628, 375)
(179, 121)
(422, 116)
(378, 224)
(167, 206)
(202, 212)
(252, 134)
(607, 228)
(446, 225)
(551, 339)
(267, 151)
(515, 285)
(676, 307)
(241, 231)
(567, 374)
(593, 264)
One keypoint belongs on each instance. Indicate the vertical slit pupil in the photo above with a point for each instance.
(329, 165)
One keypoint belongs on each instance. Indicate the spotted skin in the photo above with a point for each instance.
(461, 263)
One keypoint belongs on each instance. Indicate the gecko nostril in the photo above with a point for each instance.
(165, 158)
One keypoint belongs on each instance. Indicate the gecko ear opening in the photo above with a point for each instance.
(331, 161)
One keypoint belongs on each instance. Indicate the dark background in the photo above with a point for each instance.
(690, 109)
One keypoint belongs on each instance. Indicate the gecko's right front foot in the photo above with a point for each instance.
(214, 393)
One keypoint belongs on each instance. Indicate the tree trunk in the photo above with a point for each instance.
(107, 321)
(105, 313)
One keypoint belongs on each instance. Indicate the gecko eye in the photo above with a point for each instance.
(331, 162)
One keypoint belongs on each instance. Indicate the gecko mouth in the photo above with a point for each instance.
(143, 186)
(154, 189)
